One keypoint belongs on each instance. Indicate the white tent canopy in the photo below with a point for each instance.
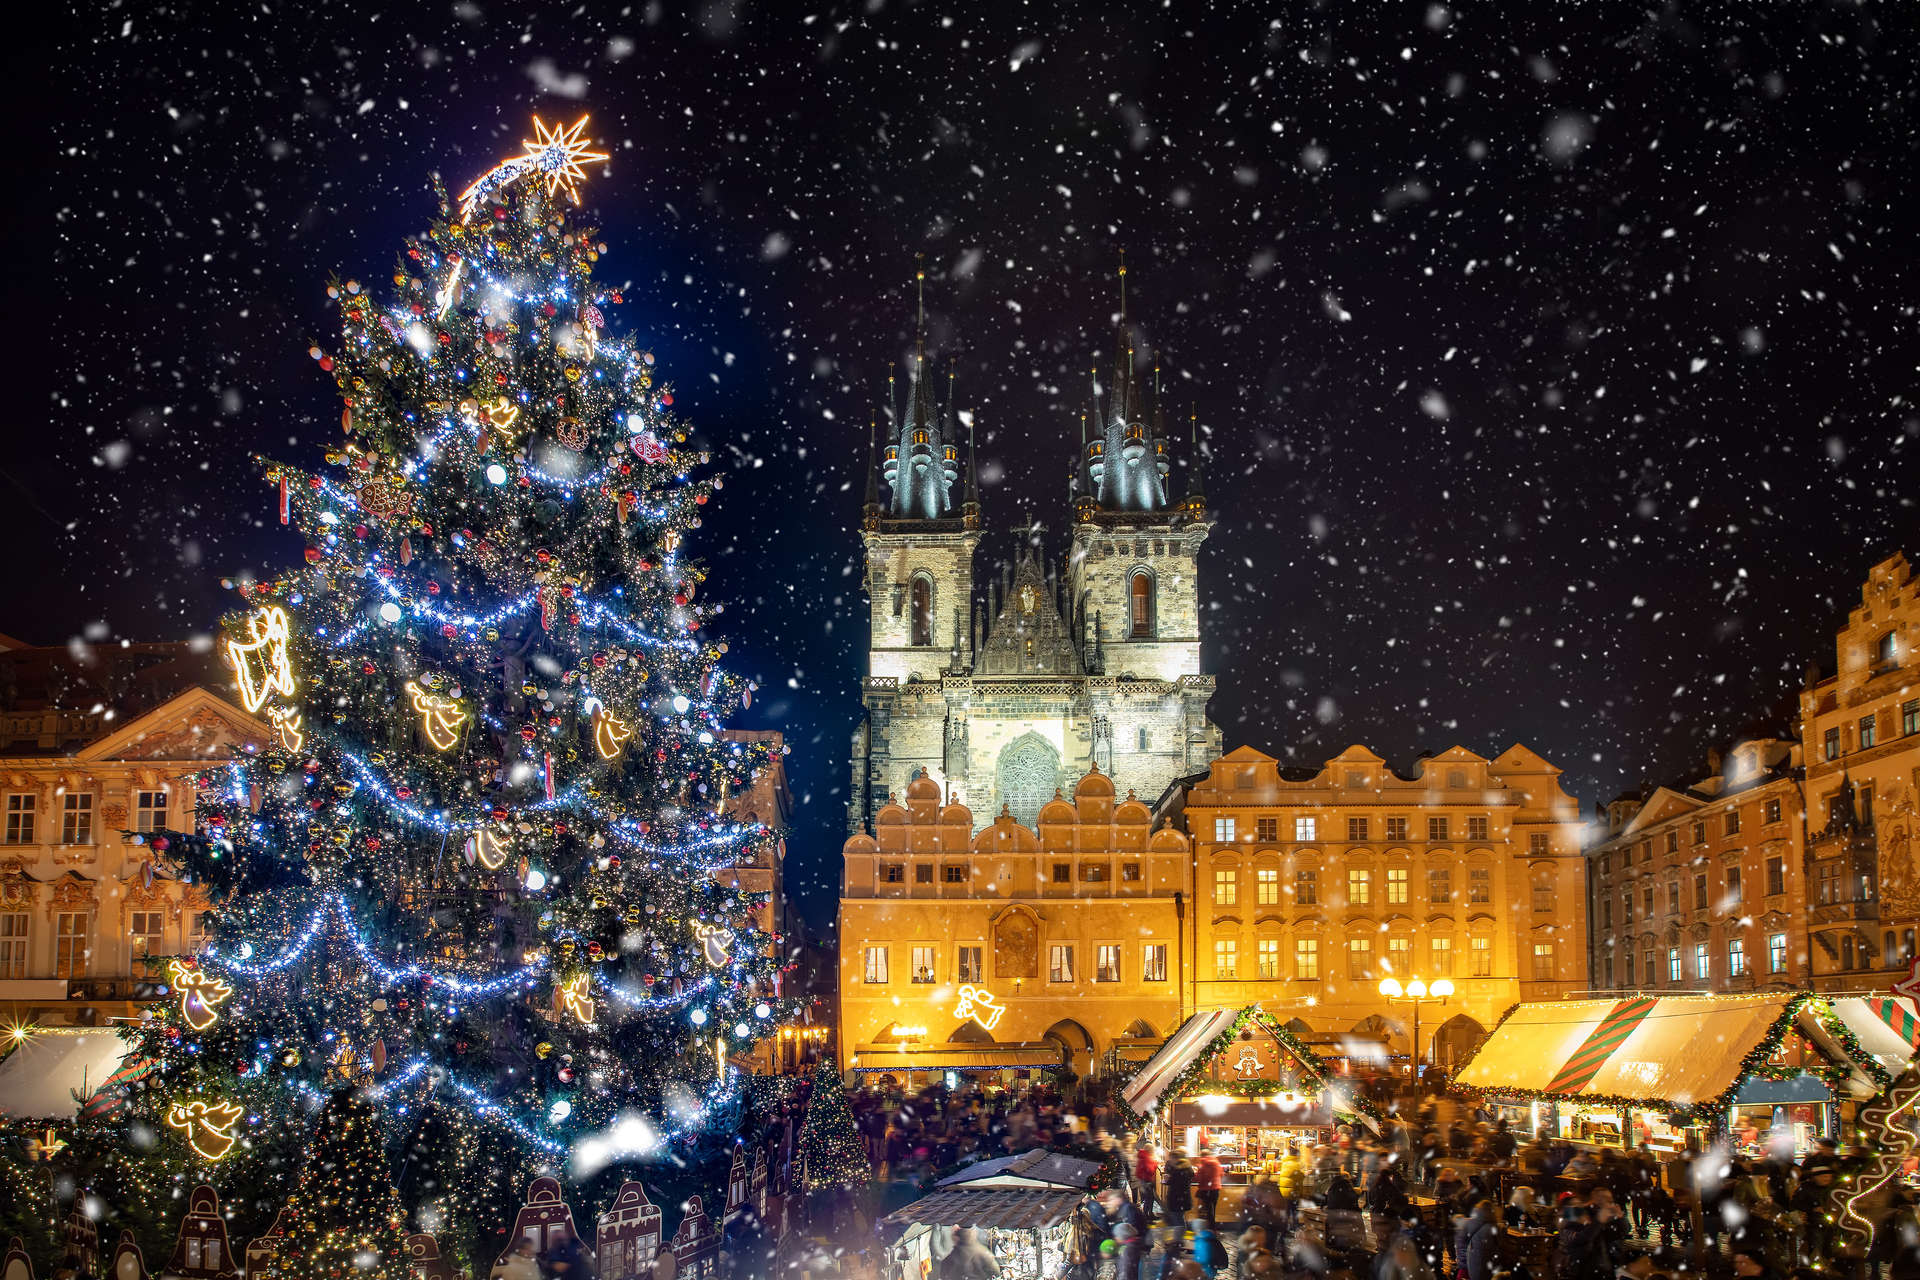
(39, 1079)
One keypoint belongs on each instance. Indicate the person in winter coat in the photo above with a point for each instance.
(1401, 1260)
(1146, 1179)
(1341, 1197)
(1209, 1176)
(1131, 1252)
(1207, 1250)
(1179, 1188)
(970, 1260)
(1474, 1241)
(1386, 1201)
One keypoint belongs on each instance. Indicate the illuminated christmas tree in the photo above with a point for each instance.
(344, 1217)
(474, 872)
(832, 1156)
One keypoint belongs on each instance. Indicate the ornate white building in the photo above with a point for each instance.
(1006, 687)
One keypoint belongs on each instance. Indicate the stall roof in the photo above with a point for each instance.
(39, 1079)
(1028, 1169)
(1679, 1050)
(965, 1057)
(1011, 1208)
(1187, 1042)
(1886, 1026)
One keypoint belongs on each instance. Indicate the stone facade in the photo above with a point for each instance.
(1003, 688)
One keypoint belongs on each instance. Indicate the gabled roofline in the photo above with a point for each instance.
(173, 709)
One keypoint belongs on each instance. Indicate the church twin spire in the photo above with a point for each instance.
(1122, 464)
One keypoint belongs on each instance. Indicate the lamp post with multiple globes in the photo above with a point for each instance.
(1417, 993)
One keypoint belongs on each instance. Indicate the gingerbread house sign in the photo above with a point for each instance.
(628, 1238)
(201, 1251)
(696, 1244)
(544, 1221)
(738, 1187)
(263, 1253)
(423, 1257)
(128, 1262)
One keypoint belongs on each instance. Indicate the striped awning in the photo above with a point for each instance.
(1678, 1049)
(1886, 1026)
(1010, 1209)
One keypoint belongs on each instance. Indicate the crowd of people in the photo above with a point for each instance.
(1437, 1191)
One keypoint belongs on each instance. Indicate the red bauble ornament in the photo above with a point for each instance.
(326, 363)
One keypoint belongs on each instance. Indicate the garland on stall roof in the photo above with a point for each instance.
(1752, 1065)
(1313, 1079)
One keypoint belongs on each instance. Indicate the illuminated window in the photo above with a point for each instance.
(70, 949)
(147, 929)
(1830, 744)
(967, 964)
(1867, 731)
(1776, 953)
(1226, 887)
(1306, 828)
(1153, 962)
(1737, 958)
(876, 965)
(1399, 955)
(20, 816)
(1543, 962)
(1060, 963)
(13, 944)
(1360, 958)
(923, 966)
(1480, 958)
(1359, 888)
(1223, 830)
(1440, 956)
(1268, 958)
(921, 607)
(1266, 886)
(150, 811)
(1397, 884)
(1673, 964)
(1702, 961)
(1909, 719)
(1106, 963)
(1306, 888)
(1226, 958)
(1140, 603)
(1306, 959)
(76, 818)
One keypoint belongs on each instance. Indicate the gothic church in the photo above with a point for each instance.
(1007, 687)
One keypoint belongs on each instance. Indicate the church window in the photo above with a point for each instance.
(1145, 739)
(922, 610)
(1140, 594)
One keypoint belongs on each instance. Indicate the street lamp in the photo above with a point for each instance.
(1417, 993)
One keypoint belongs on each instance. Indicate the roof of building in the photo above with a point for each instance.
(1039, 1166)
(55, 699)
(1010, 1208)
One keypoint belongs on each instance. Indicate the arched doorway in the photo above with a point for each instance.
(1452, 1041)
(1077, 1044)
(1141, 1029)
(1374, 1039)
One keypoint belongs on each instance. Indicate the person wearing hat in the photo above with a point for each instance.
(1131, 1250)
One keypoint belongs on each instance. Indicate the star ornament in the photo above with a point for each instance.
(559, 154)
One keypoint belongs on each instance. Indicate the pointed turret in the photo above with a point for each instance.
(923, 460)
(1196, 499)
(1127, 458)
(872, 506)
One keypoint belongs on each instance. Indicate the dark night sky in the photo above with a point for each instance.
(1557, 367)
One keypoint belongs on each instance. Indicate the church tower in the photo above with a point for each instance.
(920, 544)
(1133, 563)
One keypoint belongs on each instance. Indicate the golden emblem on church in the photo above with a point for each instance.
(1029, 598)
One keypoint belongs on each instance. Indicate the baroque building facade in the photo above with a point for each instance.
(1792, 865)
(1004, 686)
(97, 747)
(1312, 885)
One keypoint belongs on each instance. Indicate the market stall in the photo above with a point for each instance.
(910, 1064)
(1020, 1207)
(1239, 1083)
(1669, 1072)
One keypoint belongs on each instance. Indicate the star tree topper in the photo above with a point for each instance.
(557, 154)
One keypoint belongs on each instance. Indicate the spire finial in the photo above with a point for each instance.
(920, 299)
(1123, 287)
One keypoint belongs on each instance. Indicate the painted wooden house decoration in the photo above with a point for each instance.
(628, 1238)
(201, 1251)
(544, 1220)
(738, 1187)
(128, 1262)
(81, 1238)
(757, 1186)
(696, 1244)
(17, 1265)
(263, 1253)
(423, 1256)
